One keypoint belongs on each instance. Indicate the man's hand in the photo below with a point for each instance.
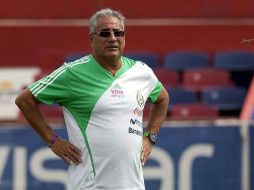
(147, 148)
(68, 152)
(157, 116)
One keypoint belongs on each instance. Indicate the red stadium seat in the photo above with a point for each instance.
(194, 111)
(198, 79)
(167, 77)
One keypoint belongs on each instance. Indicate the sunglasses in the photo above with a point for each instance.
(105, 34)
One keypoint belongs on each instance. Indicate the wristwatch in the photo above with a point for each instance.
(153, 137)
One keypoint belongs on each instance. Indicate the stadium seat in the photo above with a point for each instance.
(167, 77)
(181, 96)
(194, 111)
(225, 99)
(186, 60)
(149, 58)
(198, 79)
(235, 60)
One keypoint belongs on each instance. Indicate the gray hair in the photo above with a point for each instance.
(105, 13)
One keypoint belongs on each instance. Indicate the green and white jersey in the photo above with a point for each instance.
(103, 115)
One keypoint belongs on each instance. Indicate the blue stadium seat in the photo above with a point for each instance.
(225, 99)
(181, 96)
(151, 59)
(235, 60)
(186, 60)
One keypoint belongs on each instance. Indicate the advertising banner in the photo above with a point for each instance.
(12, 81)
(185, 158)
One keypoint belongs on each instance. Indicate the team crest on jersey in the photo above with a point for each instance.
(140, 99)
(117, 91)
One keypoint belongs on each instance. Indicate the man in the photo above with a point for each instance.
(103, 97)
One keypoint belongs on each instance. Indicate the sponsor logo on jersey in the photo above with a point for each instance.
(135, 131)
(136, 122)
(117, 86)
(117, 91)
(138, 112)
(140, 99)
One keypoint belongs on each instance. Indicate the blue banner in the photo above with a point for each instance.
(185, 158)
(202, 158)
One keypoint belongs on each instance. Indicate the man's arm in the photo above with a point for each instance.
(157, 116)
(28, 105)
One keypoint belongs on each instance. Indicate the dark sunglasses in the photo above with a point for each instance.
(105, 34)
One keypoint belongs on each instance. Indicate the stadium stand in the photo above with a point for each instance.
(151, 9)
(186, 60)
(37, 40)
(181, 96)
(152, 59)
(198, 79)
(194, 111)
(31, 36)
(225, 99)
(235, 60)
(167, 77)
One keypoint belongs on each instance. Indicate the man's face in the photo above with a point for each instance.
(107, 46)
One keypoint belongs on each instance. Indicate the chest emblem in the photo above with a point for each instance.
(140, 99)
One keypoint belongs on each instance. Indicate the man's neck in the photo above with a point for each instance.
(111, 65)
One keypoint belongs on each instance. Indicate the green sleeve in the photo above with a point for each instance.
(155, 93)
(52, 88)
